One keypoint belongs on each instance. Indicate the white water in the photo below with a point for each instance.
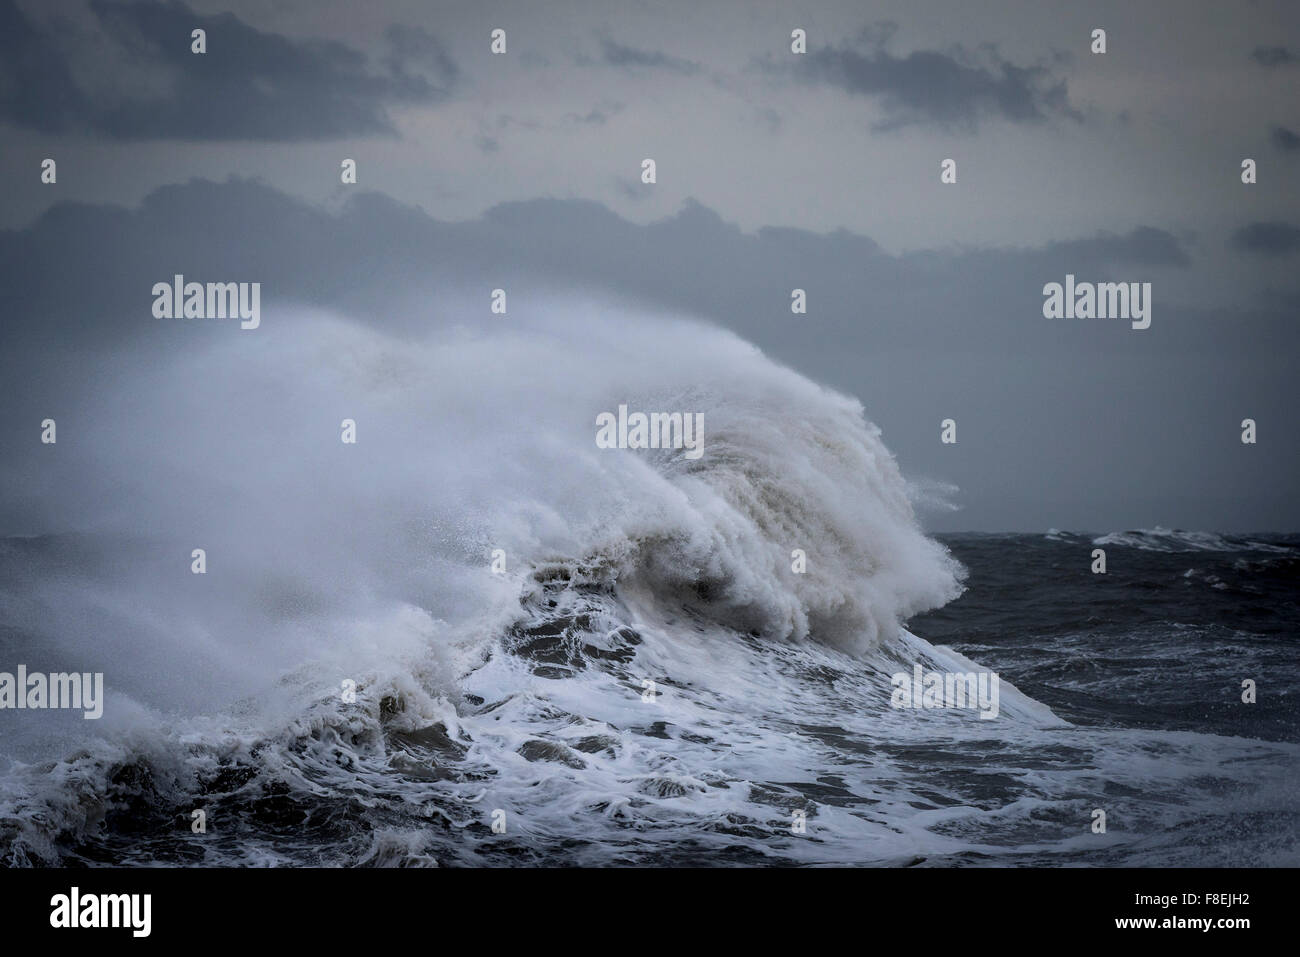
(470, 438)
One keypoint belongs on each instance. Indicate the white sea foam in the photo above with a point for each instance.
(468, 440)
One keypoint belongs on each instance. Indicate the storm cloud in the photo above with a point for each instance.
(617, 54)
(1268, 238)
(249, 85)
(953, 89)
(777, 172)
(1285, 139)
(1274, 56)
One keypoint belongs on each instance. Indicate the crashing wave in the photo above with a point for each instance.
(790, 543)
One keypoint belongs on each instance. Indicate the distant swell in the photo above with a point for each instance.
(1174, 540)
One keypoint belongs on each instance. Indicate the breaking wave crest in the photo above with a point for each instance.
(1176, 540)
(371, 563)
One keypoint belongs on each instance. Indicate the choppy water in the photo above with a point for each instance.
(551, 727)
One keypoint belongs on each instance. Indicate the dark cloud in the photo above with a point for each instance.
(616, 54)
(249, 85)
(693, 260)
(1274, 56)
(631, 188)
(954, 89)
(413, 46)
(1267, 239)
(769, 118)
(1144, 246)
(1285, 139)
(597, 116)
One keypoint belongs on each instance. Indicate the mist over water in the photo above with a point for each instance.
(522, 691)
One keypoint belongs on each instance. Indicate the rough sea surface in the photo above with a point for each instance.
(651, 675)
(1143, 665)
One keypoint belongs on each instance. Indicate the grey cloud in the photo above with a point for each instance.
(769, 118)
(616, 54)
(1267, 239)
(250, 85)
(693, 260)
(953, 90)
(506, 121)
(630, 188)
(413, 46)
(1285, 139)
(1144, 246)
(597, 116)
(1274, 56)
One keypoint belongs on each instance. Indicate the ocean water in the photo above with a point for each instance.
(649, 681)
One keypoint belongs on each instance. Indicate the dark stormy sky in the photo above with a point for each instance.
(775, 171)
